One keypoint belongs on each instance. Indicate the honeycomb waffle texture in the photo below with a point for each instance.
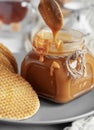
(5, 51)
(18, 100)
(6, 63)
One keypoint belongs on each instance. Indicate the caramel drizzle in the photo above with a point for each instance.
(1, 24)
(51, 12)
(54, 65)
(41, 58)
(80, 69)
(15, 27)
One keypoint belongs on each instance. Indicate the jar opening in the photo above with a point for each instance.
(67, 40)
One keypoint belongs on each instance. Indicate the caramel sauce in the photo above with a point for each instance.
(54, 66)
(52, 15)
(51, 78)
(12, 11)
(41, 58)
(60, 68)
(42, 43)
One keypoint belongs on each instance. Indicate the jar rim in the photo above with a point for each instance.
(75, 34)
(69, 40)
(81, 34)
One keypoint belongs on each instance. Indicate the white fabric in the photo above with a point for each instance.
(82, 124)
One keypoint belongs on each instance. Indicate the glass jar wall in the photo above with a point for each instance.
(17, 18)
(61, 70)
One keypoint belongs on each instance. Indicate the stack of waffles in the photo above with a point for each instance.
(18, 100)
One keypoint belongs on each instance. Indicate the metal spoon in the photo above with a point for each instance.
(52, 14)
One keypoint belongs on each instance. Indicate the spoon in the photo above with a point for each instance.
(52, 14)
(59, 2)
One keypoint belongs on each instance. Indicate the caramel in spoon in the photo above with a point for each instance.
(52, 15)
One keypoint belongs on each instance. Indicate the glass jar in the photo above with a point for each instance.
(62, 70)
(17, 18)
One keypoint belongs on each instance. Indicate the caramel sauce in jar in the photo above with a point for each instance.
(15, 17)
(12, 11)
(62, 71)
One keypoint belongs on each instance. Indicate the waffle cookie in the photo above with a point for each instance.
(6, 63)
(5, 51)
(18, 100)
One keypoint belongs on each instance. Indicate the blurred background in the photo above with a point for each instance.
(20, 19)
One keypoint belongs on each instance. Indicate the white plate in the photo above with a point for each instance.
(52, 113)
